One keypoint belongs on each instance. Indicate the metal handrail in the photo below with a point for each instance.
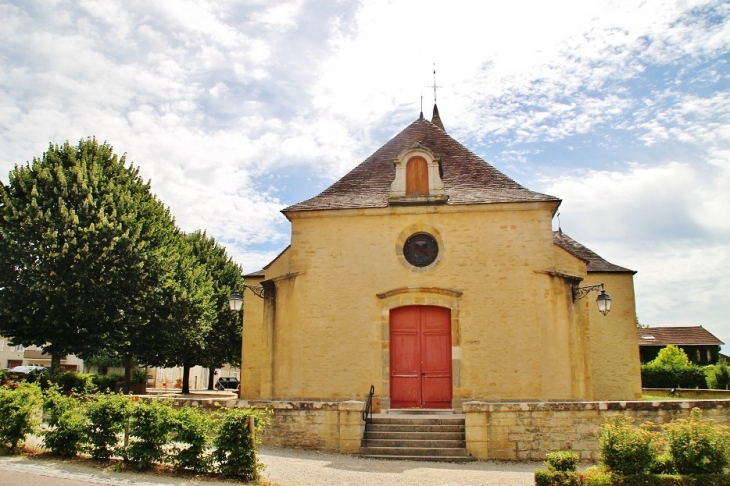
(368, 411)
(369, 406)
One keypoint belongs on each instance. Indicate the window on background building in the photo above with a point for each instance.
(2, 344)
(17, 349)
(709, 355)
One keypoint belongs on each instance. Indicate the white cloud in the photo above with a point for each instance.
(217, 101)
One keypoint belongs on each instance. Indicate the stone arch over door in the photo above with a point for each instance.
(420, 296)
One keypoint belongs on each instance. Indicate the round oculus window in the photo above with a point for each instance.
(420, 250)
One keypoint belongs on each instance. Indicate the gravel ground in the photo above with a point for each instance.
(290, 467)
(284, 467)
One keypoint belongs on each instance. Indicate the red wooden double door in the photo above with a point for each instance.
(420, 357)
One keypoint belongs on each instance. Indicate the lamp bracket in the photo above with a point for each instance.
(580, 292)
(257, 290)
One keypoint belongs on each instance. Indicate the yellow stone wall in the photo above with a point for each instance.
(614, 347)
(516, 335)
(256, 345)
(527, 431)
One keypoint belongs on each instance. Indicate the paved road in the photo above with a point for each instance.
(285, 467)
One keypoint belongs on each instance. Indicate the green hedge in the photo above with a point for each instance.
(158, 433)
(667, 377)
(694, 450)
(560, 478)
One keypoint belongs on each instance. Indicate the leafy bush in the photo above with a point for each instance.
(106, 383)
(235, 455)
(149, 430)
(67, 424)
(663, 464)
(191, 428)
(666, 377)
(562, 461)
(71, 382)
(20, 413)
(139, 376)
(557, 478)
(672, 368)
(624, 448)
(41, 376)
(596, 476)
(718, 376)
(671, 357)
(698, 446)
(108, 416)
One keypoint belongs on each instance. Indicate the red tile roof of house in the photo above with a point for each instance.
(467, 178)
(689, 335)
(594, 263)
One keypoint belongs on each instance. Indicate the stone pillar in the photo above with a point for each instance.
(351, 426)
(477, 433)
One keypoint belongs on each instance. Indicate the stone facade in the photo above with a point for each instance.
(322, 332)
(527, 431)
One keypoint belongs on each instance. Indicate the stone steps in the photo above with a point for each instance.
(419, 436)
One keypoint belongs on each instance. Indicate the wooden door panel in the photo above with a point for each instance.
(405, 362)
(420, 357)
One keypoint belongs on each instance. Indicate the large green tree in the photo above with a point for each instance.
(197, 327)
(85, 253)
(223, 341)
(186, 316)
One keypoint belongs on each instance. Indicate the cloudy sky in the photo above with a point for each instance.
(236, 109)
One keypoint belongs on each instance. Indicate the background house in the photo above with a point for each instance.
(12, 356)
(700, 345)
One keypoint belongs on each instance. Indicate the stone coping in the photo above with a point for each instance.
(480, 407)
(204, 400)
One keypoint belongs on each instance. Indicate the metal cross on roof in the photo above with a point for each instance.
(434, 84)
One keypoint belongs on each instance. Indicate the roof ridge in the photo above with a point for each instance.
(594, 262)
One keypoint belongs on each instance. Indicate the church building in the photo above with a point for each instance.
(428, 274)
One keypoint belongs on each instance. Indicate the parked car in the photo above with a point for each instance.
(227, 383)
(20, 372)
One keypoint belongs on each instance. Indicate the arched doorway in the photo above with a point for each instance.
(420, 357)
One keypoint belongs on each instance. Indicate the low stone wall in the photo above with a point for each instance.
(528, 430)
(325, 426)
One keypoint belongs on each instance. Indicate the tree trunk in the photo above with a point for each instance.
(186, 378)
(211, 378)
(127, 373)
(55, 364)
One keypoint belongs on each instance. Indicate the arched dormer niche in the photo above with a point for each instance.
(417, 178)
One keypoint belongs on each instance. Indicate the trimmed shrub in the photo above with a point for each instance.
(557, 478)
(75, 383)
(191, 429)
(596, 476)
(149, 431)
(20, 413)
(666, 377)
(624, 448)
(106, 383)
(234, 454)
(698, 446)
(108, 417)
(562, 461)
(718, 376)
(67, 424)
